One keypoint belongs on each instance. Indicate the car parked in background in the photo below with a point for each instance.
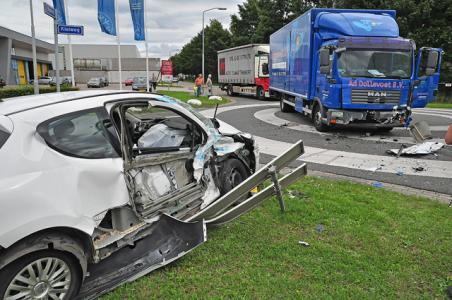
(43, 80)
(95, 82)
(113, 185)
(105, 81)
(139, 84)
(63, 80)
(128, 82)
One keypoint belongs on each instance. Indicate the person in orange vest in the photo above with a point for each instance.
(198, 85)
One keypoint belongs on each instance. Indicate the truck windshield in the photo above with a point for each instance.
(370, 63)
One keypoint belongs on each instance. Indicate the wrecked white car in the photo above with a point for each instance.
(100, 188)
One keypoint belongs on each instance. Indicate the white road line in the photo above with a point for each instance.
(358, 161)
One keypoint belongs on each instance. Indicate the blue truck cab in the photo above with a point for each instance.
(351, 67)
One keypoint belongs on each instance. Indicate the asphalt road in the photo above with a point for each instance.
(353, 153)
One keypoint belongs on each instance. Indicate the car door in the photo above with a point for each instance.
(160, 143)
(427, 74)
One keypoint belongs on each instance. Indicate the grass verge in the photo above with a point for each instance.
(365, 243)
(185, 96)
(440, 105)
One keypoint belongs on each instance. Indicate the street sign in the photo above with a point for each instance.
(49, 10)
(70, 30)
(167, 70)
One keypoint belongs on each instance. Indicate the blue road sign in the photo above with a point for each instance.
(71, 30)
(49, 10)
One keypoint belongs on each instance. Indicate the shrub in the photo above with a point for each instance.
(10, 92)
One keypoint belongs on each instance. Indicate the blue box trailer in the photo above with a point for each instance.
(351, 67)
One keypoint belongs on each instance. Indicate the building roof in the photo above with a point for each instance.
(25, 41)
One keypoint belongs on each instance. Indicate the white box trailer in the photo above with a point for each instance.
(244, 70)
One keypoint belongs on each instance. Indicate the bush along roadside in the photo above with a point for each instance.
(28, 90)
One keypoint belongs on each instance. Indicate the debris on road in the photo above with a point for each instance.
(419, 169)
(420, 149)
(377, 184)
(421, 131)
(400, 173)
(303, 243)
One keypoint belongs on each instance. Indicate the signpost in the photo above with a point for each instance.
(167, 71)
(49, 10)
(71, 30)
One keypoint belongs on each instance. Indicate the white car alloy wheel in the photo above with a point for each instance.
(45, 278)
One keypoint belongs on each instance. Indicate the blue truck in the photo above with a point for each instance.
(351, 67)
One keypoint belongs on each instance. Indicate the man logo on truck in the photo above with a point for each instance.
(376, 94)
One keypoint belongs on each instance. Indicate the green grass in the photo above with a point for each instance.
(185, 96)
(376, 244)
(440, 105)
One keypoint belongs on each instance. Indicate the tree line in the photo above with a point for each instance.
(427, 22)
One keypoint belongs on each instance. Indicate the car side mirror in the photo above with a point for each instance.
(432, 63)
(324, 56)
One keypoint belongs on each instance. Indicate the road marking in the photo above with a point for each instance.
(351, 160)
(358, 161)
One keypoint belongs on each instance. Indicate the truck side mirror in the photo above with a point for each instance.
(324, 56)
(265, 70)
(432, 63)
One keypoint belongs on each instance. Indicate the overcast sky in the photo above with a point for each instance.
(171, 23)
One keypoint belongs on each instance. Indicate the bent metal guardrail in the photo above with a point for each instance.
(223, 211)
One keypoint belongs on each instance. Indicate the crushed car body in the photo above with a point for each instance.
(105, 187)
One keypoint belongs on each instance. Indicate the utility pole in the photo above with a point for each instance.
(203, 36)
(33, 46)
(57, 64)
(119, 45)
(71, 60)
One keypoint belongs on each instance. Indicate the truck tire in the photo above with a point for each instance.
(37, 269)
(286, 108)
(230, 90)
(317, 115)
(260, 93)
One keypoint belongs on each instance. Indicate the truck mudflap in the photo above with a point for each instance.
(227, 209)
(169, 240)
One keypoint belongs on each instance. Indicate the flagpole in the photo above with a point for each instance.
(71, 60)
(119, 45)
(146, 44)
(33, 46)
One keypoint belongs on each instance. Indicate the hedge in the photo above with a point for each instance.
(29, 90)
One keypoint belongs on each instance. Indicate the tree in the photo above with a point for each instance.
(189, 60)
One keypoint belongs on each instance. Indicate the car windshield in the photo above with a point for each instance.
(370, 63)
(94, 79)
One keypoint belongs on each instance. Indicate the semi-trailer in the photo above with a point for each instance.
(244, 70)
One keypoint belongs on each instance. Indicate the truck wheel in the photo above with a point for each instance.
(234, 172)
(285, 107)
(260, 93)
(230, 91)
(317, 115)
(47, 274)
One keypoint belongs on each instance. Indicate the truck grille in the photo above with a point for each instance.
(378, 97)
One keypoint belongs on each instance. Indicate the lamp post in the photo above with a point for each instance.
(203, 14)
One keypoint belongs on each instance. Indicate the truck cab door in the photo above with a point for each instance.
(428, 64)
